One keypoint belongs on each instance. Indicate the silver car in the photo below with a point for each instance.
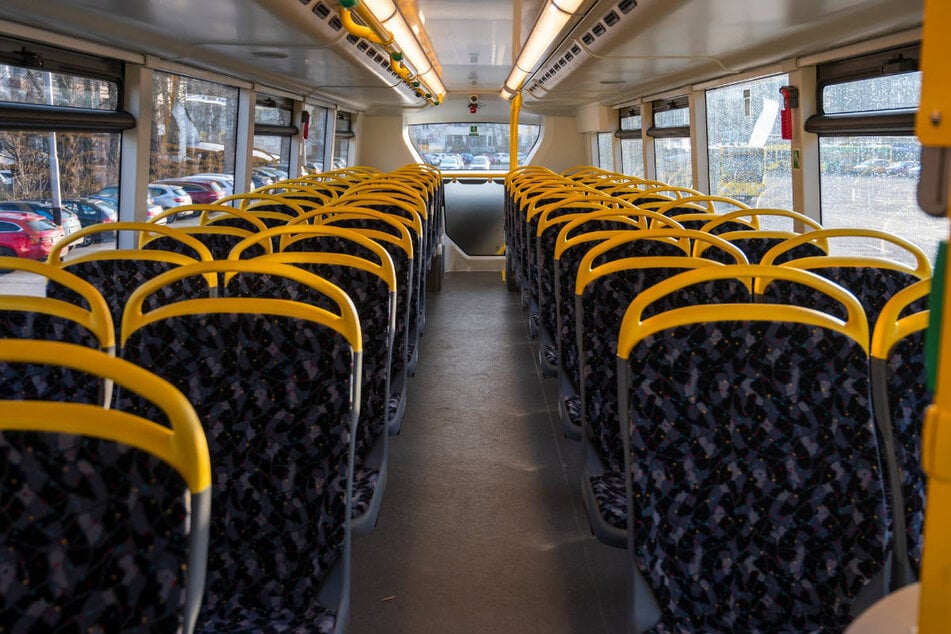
(169, 195)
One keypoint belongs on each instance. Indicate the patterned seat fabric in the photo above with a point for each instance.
(365, 481)
(757, 498)
(46, 382)
(220, 245)
(273, 396)
(609, 493)
(755, 248)
(872, 286)
(117, 279)
(908, 396)
(94, 536)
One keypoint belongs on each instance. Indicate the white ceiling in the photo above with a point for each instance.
(659, 44)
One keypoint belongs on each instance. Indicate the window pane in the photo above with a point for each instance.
(672, 161)
(632, 157)
(453, 146)
(748, 158)
(631, 123)
(872, 182)
(272, 151)
(606, 151)
(315, 143)
(25, 85)
(272, 115)
(193, 127)
(877, 93)
(672, 118)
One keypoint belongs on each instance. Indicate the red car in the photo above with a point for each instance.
(202, 192)
(27, 235)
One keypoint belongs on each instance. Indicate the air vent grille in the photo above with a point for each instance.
(598, 29)
(588, 39)
(320, 10)
(625, 6)
(335, 23)
(611, 18)
(362, 45)
(305, 1)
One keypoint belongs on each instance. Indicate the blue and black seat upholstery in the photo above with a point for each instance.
(83, 318)
(116, 273)
(901, 395)
(755, 493)
(872, 279)
(572, 242)
(364, 270)
(220, 240)
(604, 288)
(274, 382)
(755, 243)
(105, 513)
(394, 235)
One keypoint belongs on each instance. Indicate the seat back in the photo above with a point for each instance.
(275, 383)
(901, 395)
(115, 273)
(873, 280)
(84, 319)
(219, 239)
(756, 497)
(603, 291)
(105, 513)
(756, 243)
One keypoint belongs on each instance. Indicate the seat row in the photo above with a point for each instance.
(595, 259)
(268, 406)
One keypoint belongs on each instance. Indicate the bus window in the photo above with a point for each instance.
(453, 146)
(194, 127)
(632, 145)
(870, 180)
(343, 135)
(748, 159)
(606, 151)
(272, 136)
(671, 132)
(315, 153)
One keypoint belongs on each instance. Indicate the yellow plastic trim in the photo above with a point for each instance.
(683, 238)
(97, 320)
(415, 222)
(640, 218)
(634, 328)
(183, 445)
(921, 269)
(706, 216)
(415, 205)
(564, 242)
(385, 273)
(383, 37)
(759, 212)
(404, 239)
(587, 275)
(56, 259)
(702, 201)
(193, 230)
(224, 212)
(760, 234)
(889, 329)
(384, 267)
(346, 323)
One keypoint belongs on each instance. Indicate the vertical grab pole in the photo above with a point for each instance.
(933, 127)
(514, 108)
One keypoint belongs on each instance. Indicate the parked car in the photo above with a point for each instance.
(71, 223)
(900, 168)
(169, 196)
(871, 166)
(450, 162)
(202, 192)
(93, 211)
(225, 181)
(25, 234)
(480, 163)
(262, 176)
(111, 192)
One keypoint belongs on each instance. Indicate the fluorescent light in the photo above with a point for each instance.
(548, 26)
(405, 40)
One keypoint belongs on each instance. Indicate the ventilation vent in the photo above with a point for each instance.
(611, 19)
(320, 10)
(588, 39)
(353, 39)
(362, 45)
(625, 6)
(599, 29)
(335, 23)
(305, 1)
(575, 49)
(568, 57)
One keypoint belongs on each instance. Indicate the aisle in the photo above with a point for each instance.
(482, 527)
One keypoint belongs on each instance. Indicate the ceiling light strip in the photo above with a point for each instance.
(407, 58)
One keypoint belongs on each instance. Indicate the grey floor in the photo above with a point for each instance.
(482, 527)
